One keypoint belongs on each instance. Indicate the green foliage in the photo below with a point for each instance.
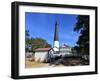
(39, 43)
(27, 34)
(35, 43)
(82, 26)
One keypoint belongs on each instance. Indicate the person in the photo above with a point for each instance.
(51, 57)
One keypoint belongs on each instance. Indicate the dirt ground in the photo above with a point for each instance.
(33, 64)
(67, 62)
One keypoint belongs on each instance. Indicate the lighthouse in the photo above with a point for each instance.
(56, 38)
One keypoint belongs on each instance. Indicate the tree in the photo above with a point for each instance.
(82, 26)
(27, 34)
(33, 43)
(39, 43)
(27, 46)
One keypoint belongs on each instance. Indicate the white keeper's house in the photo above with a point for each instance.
(41, 54)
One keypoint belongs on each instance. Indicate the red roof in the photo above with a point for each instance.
(42, 49)
(64, 45)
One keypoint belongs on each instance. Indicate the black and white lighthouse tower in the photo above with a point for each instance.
(56, 38)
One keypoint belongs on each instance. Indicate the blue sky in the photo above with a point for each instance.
(43, 25)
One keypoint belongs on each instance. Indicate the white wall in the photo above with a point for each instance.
(5, 40)
(40, 56)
